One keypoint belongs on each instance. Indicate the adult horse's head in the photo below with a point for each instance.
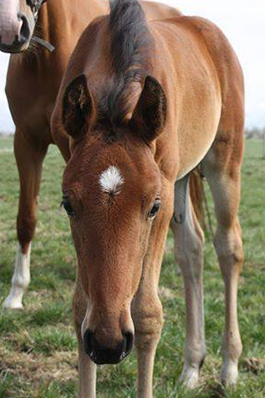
(17, 23)
(112, 192)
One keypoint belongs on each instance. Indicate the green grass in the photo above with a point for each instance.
(38, 349)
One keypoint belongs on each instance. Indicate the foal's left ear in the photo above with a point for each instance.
(77, 107)
(149, 116)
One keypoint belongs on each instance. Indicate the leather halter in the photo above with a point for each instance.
(35, 6)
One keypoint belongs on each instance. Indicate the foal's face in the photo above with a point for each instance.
(17, 23)
(112, 193)
(113, 197)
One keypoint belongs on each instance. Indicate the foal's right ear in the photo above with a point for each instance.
(149, 116)
(77, 107)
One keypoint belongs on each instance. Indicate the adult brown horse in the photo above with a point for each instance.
(32, 85)
(144, 103)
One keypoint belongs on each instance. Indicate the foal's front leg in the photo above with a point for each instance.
(147, 315)
(87, 370)
(87, 373)
(147, 308)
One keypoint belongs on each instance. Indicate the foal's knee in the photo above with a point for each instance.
(148, 321)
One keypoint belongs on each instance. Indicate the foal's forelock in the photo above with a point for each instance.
(130, 53)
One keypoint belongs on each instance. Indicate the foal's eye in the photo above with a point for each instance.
(156, 206)
(68, 207)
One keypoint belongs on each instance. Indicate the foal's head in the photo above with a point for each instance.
(17, 23)
(112, 185)
(112, 192)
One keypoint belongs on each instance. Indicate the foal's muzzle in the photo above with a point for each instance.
(105, 355)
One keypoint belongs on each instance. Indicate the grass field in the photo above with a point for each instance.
(38, 349)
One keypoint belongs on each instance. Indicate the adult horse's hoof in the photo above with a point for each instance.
(13, 301)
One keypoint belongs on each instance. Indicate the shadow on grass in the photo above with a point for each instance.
(216, 390)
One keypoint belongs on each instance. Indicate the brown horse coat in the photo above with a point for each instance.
(32, 85)
(139, 122)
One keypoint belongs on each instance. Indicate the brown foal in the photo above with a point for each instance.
(32, 85)
(143, 104)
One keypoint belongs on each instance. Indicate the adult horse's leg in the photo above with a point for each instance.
(29, 155)
(222, 170)
(188, 238)
(87, 369)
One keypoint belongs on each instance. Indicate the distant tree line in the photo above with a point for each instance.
(255, 132)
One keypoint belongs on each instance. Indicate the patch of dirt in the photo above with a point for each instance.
(37, 367)
(215, 390)
(254, 365)
(166, 293)
(169, 247)
(6, 150)
(35, 299)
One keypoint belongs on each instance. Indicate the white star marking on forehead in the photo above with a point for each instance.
(111, 180)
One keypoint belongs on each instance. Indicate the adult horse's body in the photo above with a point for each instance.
(32, 85)
(144, 103)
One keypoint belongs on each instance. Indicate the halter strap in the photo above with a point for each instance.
(35, 6)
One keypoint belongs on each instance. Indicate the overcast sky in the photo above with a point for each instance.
(243, 21)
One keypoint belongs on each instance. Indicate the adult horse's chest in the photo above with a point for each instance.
(32, 93)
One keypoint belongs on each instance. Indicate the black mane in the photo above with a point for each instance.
(130, 44)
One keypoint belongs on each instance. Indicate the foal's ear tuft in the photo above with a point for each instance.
(149, 116)
(77, 107)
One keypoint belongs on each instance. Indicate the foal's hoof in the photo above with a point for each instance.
(189, 377)
(229, 374)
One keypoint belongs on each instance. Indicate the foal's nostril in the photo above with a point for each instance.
(88, 342)
(129, 338)
(24, 31)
